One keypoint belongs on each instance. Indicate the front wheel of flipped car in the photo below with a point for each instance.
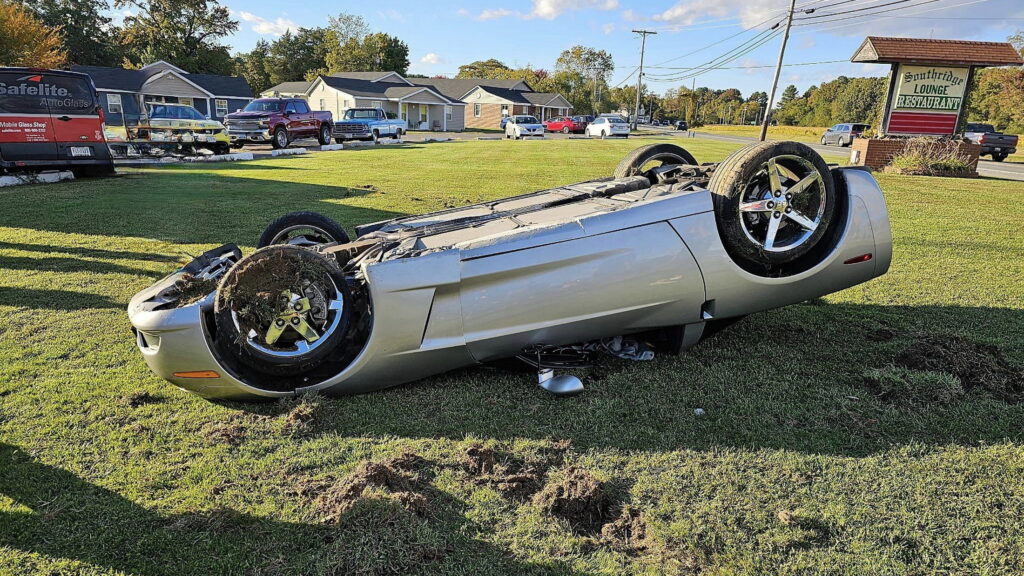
(302, 229)
(644, 161)
(282, 310)
(774, 202)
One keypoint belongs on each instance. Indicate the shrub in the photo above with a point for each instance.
(930, 157)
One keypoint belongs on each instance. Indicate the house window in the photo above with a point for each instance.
(222, 107)
(423, 112)
(322, 106)
(185, 101)
(476, 110)
(375, 104)
(448, 112)
(114, 104)
(504, 110)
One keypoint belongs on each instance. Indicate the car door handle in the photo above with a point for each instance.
(64, 118)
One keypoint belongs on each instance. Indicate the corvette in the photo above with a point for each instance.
(666, 250)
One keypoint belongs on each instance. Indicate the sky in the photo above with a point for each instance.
(443, 34)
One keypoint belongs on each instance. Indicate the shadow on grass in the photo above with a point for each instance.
(45, 299)
(67, 517)
(88, 252)
(789, 379)
(57, 264)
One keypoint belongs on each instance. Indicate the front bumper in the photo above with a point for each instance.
(249, 135)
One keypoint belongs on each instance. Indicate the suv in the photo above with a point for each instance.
(51, 119)
(278, 121)
(843, 134)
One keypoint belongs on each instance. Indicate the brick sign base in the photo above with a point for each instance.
(876, 153)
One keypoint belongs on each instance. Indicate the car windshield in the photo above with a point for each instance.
(164, 111)
(263, 106)
(364, 113)
(526, 120)
(616, 120)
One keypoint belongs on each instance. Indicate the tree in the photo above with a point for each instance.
(348, 27)
(254, 66)
(86, 33)
(26, 41)
(373, 52)
(182, 32)
(484, 69)
(788, 94)
(581, 74)
(300, 55)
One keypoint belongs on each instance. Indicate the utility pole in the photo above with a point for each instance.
(778, 70)
(640, 76)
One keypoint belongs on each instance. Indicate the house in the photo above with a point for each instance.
(123, 93)
(422, 106)
(488, 100)
(287, 90)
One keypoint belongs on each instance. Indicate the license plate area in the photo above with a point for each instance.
(80, 151)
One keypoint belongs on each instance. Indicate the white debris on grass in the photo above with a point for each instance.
(287, 151)
(235, 157)
(329, 147)
(35, 178)
(698, 411)
(488, 137)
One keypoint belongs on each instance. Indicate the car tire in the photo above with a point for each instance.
(762, 227)
(998, 157)
(325, 135)
(565, 130)
(823, 141)
(634, 162)
(604, 135)
(281, 139)
(319, 230)
(256, 278)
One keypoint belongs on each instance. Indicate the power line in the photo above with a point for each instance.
(869, 13)
(720, 61)
(740, 47)
(912, 14)
(773, 65)
(827, 14)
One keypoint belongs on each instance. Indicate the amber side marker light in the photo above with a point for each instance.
(197, 374)
(858, 259)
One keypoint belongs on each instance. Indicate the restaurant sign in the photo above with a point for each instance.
(928, 99)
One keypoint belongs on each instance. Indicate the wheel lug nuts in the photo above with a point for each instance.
(789, 196)
(777, 194)
(788, 210)
(298, 307)
(280, 322)
(295, 320)
(777, 214)
(770, 205)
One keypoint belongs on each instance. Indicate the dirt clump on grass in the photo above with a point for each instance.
(230, 432)
(977, 366)
(578, 497)
(627, 533)
(139, 398)
(387, 475)
(299, 413)
(509, 476)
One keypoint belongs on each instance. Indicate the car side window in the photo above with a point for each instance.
(290, 108)
(301, 107)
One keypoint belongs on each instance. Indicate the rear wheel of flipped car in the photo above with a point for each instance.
(302, 229)
(774, 202)
(648, 160)
(325, 135)
(282, 310)
(280, 139)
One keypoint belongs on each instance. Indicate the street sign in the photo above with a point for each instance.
(928, 99)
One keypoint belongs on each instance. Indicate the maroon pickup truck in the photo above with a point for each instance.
(278, 121)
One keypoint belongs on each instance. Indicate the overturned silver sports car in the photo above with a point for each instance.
(667, 248)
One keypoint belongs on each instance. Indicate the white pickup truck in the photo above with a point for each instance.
(368, 124)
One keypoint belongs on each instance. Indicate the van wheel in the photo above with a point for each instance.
(774, 201)
(280, 138)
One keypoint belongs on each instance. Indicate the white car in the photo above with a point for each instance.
(522, 126)
(607, 126)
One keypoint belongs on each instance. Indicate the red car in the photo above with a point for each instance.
(566, 124)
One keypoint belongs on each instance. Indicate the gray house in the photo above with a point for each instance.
(421, 106)
(123, 93)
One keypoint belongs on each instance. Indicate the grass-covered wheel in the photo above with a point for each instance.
(774, 201)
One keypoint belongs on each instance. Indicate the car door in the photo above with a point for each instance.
(308, 120)
(26, 127)
(293, 121)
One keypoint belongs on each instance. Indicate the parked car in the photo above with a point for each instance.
(369, 124)
(608, 126)
(278, 121)
(523, 126)
(681, 125)
(666, 246)
(51, 119)
(843, 134)
(173, 127)
(995, 144)
(566, 124)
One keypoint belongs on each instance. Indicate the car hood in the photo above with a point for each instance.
(248, 115)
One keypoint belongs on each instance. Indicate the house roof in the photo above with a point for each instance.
(290, 87)
(544, 98)
(927, 51)
(222, 85)
(375, 76)
(106, 78)
(374, 89)
(456, 88)
(513, 96)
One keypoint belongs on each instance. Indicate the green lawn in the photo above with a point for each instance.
(809, 134)
(828, 461)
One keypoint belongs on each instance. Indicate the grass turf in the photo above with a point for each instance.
(798, 466)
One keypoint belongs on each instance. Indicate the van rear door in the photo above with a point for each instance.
(26, 128)
(76, 120)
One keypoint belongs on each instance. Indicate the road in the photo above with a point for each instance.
(987, 168)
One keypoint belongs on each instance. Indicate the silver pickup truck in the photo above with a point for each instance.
(993, 143)
(368, 124)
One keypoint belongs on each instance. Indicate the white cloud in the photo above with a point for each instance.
(549, 9)
(431, 58)
(261, 25)
(749, 12)
(631, 16)
(608, 28)
(462, 12)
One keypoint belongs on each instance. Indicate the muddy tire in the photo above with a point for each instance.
(261, 328)
(659, 154)
(302, 229)
(280, 139)
(766, 223)
(325, 135)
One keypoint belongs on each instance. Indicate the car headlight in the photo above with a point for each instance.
(264, 123)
